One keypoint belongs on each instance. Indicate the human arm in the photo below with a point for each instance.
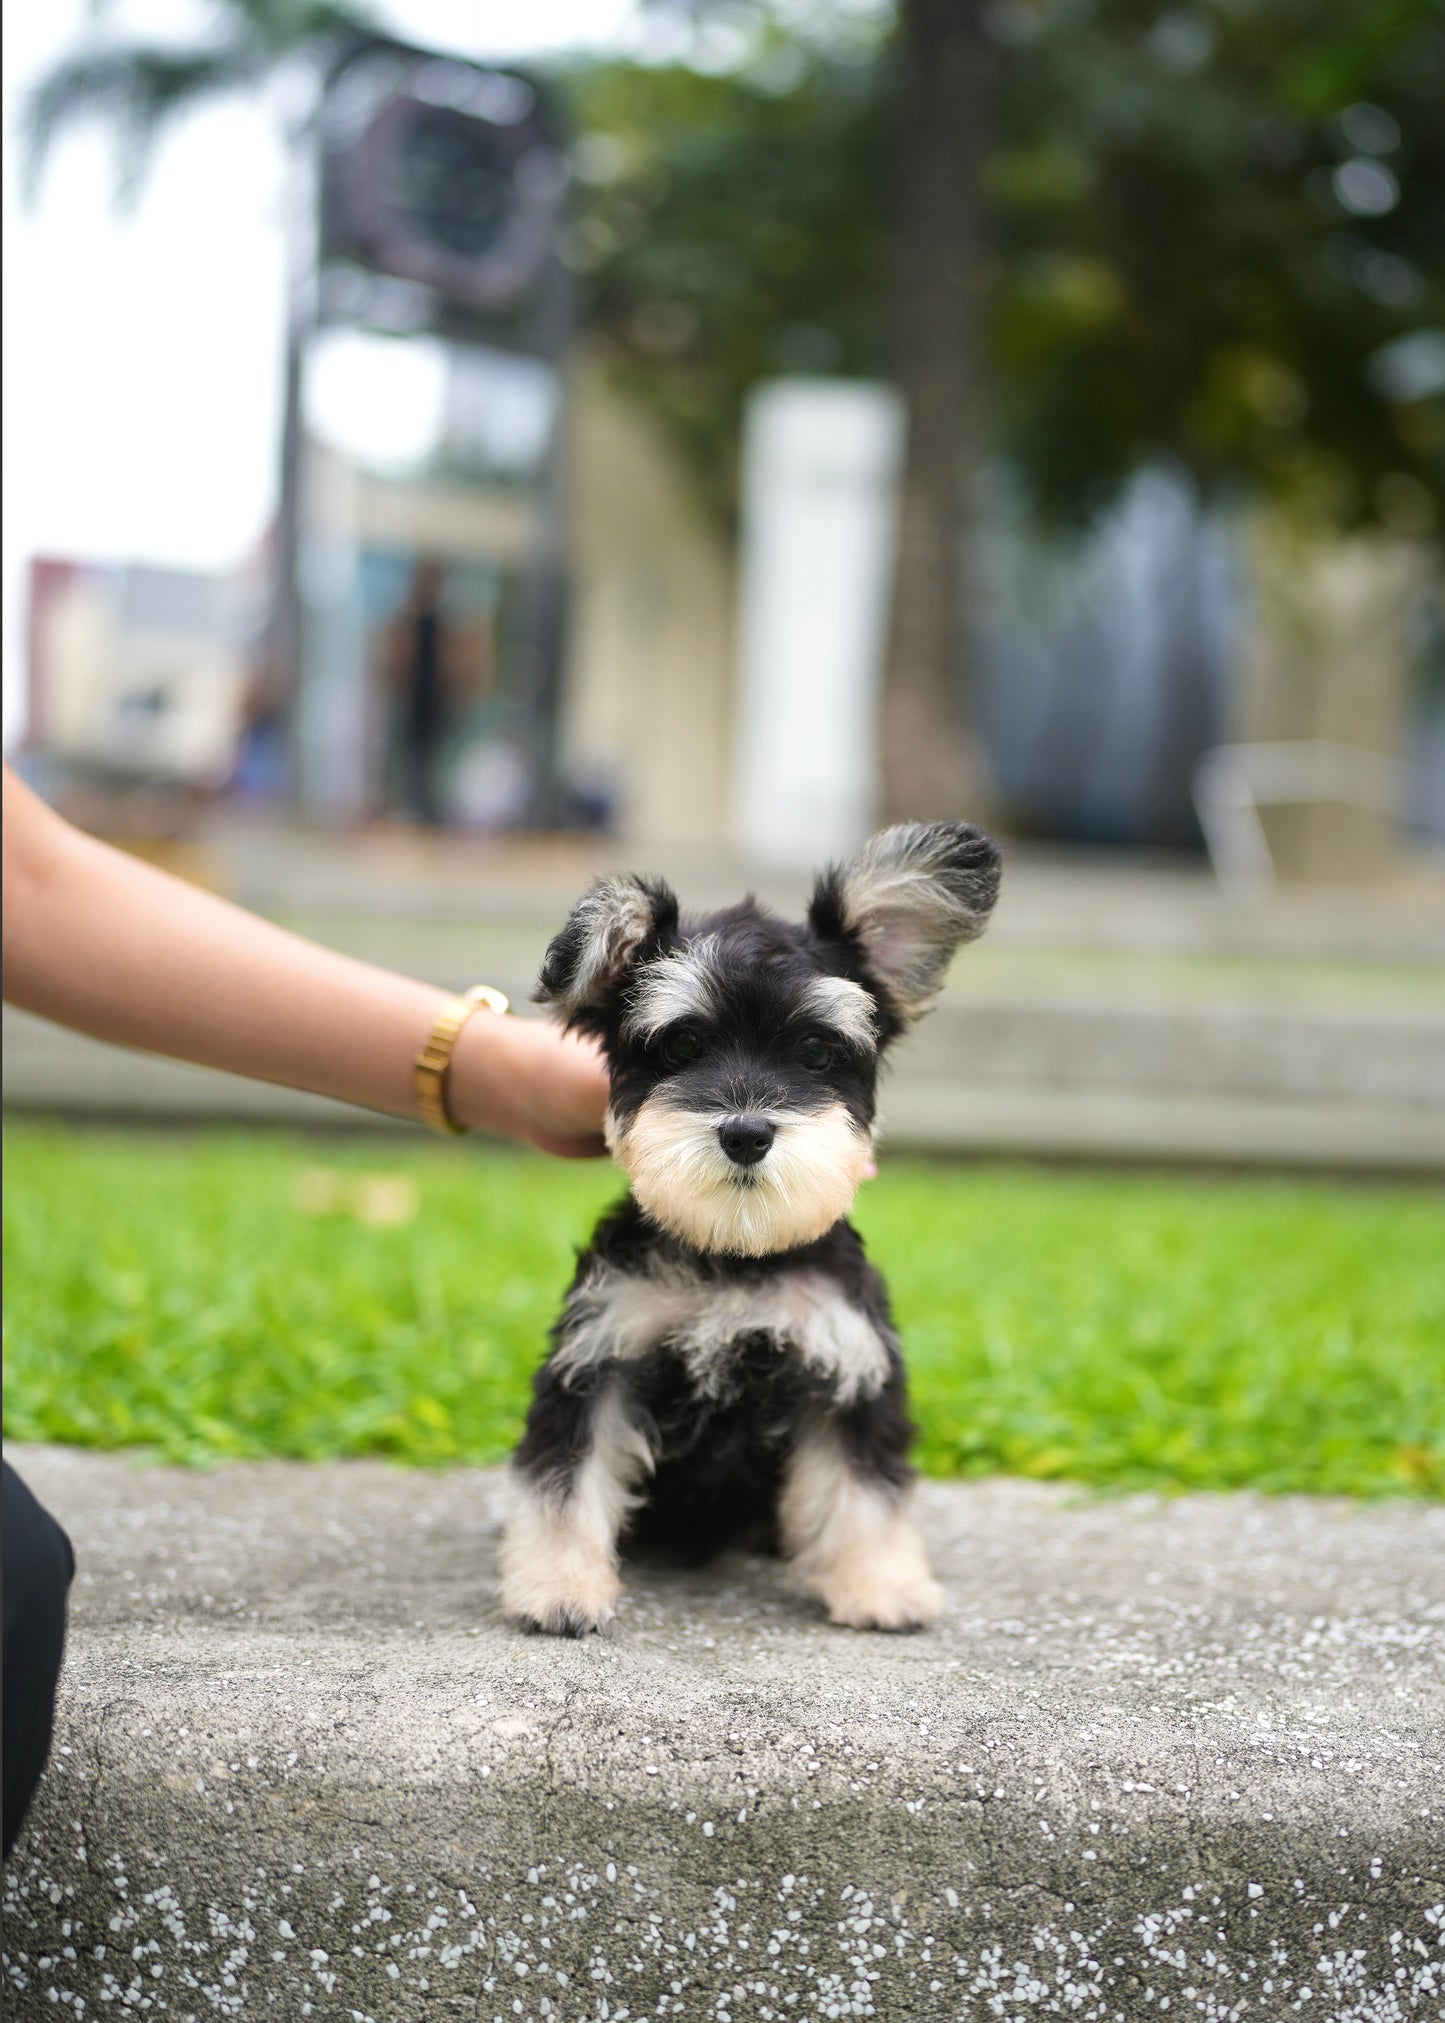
(97, 940)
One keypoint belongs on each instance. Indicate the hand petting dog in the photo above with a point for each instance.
(725, 1368)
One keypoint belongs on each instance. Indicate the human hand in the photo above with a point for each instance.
(526, 1079)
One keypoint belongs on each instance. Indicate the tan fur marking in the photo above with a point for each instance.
(616, 918)
(853, 1543)
(683, 1178)
(674, 987)
(910, 911)
(559, 1556)
(844, 1005)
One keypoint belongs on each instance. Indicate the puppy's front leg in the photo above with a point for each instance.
(573, 1479)
(845, 1526)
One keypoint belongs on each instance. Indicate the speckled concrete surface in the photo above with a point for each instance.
(1161, 1760)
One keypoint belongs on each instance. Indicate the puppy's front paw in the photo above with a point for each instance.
(562, 1618)
(566, 1598)
(864, 1559)
(873, 1598)
(882, 1582)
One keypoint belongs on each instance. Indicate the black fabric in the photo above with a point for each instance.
(423, 718)
(39, 1566)
(424, 699)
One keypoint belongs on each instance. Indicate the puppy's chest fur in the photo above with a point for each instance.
(720, 1366)
(819, 1314)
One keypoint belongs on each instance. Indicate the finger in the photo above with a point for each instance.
(571, 1148)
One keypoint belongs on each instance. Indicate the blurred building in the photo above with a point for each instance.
(1341, 647)
(693, 692)
(1106, 662)
(421, 570)
(648, 707)
(419, 456)
(136, 674)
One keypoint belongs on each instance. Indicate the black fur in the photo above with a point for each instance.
(653, 900)
(719, 1450)
(718, 1459)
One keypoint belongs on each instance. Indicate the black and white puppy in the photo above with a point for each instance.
(725, 1368)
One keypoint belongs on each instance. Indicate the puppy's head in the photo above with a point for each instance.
(743, 1050)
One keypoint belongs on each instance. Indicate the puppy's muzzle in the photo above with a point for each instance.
(746, 1140)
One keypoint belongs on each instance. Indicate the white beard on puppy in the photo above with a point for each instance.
(686, 1183)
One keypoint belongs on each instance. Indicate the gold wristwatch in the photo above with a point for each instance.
(429, 1071)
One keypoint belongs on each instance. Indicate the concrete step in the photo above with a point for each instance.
(1357, 1089)
(1051, 898)
(1161, 1759)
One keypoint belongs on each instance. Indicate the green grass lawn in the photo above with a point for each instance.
(215, 1295)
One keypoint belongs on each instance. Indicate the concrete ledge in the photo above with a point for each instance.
(1161, 1759)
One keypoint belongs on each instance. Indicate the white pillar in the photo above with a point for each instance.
(820, 472)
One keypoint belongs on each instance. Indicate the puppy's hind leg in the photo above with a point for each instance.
(574, 1480)
(846, 1528)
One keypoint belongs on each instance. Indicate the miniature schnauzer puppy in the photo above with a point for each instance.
(725, 1368)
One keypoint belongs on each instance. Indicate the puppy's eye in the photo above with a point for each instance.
(681, 1049)
(817, 1054)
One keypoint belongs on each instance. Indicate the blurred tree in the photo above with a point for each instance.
(935, 290)
(1219, 236)
(923, 209)
(727, 229)
(1210, 233)
(1214, 234)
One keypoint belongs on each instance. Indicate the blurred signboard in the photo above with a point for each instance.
(440, 189)
(424, 408)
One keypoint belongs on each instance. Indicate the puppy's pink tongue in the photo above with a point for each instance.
(870, 1171)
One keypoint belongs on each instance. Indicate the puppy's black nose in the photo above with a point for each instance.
(746, 1139)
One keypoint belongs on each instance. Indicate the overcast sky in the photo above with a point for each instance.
(143, 351)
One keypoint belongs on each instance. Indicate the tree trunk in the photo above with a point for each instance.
(929, 758)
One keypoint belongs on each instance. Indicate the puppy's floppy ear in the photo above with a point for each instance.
(906, 902)
(610, 925)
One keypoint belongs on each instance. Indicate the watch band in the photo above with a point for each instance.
(429, 1071)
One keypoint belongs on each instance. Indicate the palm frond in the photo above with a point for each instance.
(136, 91)
(281, 27)
(140, 89)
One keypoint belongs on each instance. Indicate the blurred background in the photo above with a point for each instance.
(449, 448)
